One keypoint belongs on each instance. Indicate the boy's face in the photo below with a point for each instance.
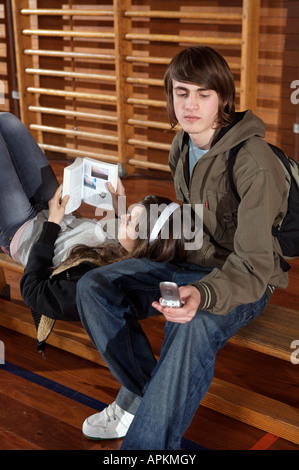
(196, 110)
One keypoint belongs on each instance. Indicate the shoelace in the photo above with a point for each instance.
(111, 408)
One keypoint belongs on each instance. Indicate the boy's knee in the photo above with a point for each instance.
(85, 284)
(92, 283)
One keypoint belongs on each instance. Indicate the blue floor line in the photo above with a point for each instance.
(73, 394)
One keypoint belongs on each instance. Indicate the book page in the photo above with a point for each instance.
(72, 185)
(95, 178)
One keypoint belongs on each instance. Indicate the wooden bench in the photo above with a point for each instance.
(271, 334)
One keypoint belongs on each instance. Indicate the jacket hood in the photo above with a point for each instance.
(245, 126)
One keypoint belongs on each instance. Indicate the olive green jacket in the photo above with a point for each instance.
(237, 239)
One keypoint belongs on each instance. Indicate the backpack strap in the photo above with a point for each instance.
(282, 157)
(232, 158)
(230, 165)
(285, 266)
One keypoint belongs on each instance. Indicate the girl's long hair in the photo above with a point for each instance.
(165, 249)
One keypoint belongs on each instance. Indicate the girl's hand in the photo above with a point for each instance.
(57, 207)
(118, 197)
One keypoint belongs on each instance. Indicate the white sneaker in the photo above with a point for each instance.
(111, 423)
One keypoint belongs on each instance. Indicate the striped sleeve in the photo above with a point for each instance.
(207, 294)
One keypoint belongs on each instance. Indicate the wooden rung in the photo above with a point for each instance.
(65, 74)
(234, 66)
(68, 33)
(74, 133)
(149, 144)
(66, 12)
(157, 125)
(148, 165)
(135, 13)
(73, 113)
(144, 102)
(79, 153)
(184, 39)
(166, 61)
(145, 81)
(184, 15)
(71, 94)
(67, 54)
(148, 60)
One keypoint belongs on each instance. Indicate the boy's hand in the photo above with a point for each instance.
(190, 298)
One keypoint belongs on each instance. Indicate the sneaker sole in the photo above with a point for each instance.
(103, 438)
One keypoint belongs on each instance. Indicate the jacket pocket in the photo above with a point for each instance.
(221, 216)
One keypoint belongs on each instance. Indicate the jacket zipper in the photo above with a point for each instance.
(187, 191)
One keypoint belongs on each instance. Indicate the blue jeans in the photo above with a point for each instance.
(111, 300)
(27, 181)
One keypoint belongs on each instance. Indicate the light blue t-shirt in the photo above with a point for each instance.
(195, 154)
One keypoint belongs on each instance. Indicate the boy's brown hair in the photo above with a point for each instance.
(205, 67)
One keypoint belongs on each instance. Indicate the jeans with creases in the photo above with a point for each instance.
(27, 182)
(111, 300)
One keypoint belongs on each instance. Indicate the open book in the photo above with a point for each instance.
(86, 180)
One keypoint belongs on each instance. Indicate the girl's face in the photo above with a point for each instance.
(196, 110)
(127, 232)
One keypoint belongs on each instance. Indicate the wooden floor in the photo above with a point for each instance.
(43, 401)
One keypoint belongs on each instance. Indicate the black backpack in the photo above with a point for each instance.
(288, 232)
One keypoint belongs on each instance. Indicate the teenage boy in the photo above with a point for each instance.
(227, 282)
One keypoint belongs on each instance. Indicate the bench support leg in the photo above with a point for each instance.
(2, 279)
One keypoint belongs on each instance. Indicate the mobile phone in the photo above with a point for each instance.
(170, 294)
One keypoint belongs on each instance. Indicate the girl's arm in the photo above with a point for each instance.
(54, 297)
